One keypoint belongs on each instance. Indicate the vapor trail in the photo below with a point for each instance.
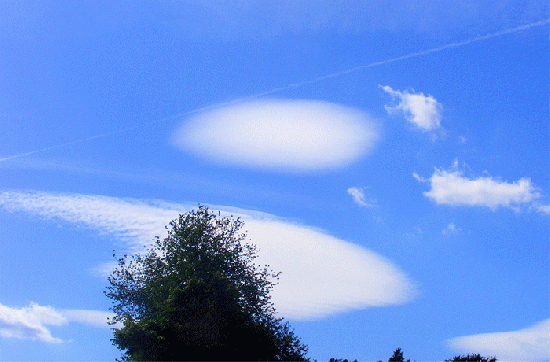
(81, 140)
(294, 85)
(412, 55)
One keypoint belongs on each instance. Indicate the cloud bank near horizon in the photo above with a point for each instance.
(313, 283)
(280, 135)
(528, 344)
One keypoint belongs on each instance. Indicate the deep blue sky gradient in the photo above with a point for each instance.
(132, 72)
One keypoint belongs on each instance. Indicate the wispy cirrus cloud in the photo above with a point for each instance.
(451, 187)
(529, 344)
(33, 321)
(313, 283)
(248, 18)
(280, 135)
(137, 225)
(543, 209)
(451, 229)
(422, 111)
(360, 197)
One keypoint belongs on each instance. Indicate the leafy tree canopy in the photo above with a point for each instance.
(197, 295)
(397, 356)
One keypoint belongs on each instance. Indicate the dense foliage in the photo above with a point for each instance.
(397, 356)
(197, 295)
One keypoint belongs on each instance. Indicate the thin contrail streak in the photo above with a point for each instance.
(294, 85)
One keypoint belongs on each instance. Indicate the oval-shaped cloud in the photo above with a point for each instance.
(285, 135)
(321, 275)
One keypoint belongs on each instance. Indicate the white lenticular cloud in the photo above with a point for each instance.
(423, 111)
(283, 135)
(321, 275)
(451, 187)
(94, 318)
(529, 344)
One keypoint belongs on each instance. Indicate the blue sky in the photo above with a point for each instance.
(391, 159)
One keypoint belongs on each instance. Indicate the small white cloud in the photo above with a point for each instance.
(462, 139)
(529, 344)
(423, 111)
(30, 322)
(450, 187)
(543, 209)
(313, 283)
(360, 198)
(451, 229)
(418, 178)
(281, 135)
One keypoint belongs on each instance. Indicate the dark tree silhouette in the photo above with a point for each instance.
(197, 295)
(397, 356)
(472, 358)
